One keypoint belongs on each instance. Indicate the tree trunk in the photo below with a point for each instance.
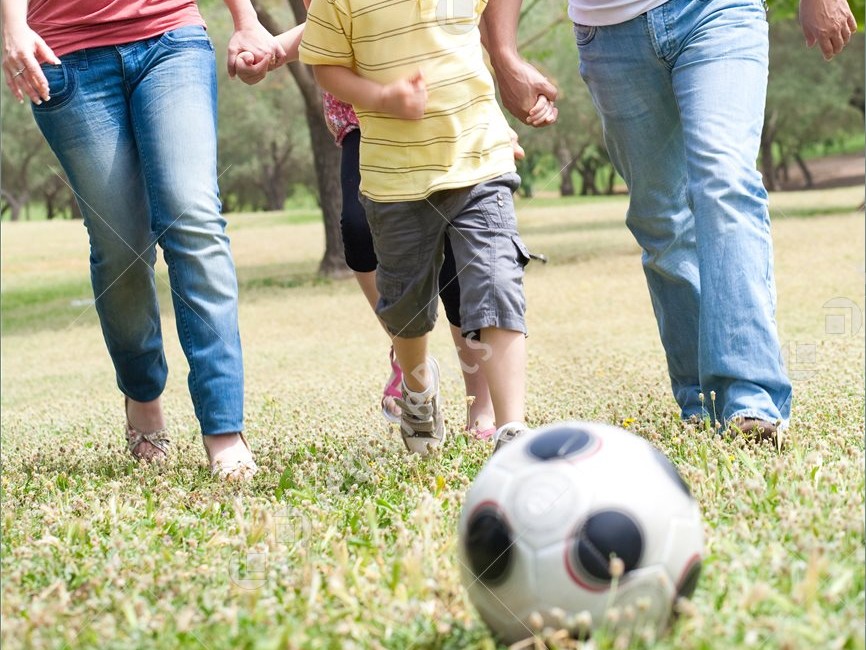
(566, 167)
(611, 179)
(272, 185)
(14, 204)
(807, 175)
(768, 134)
(858, 100)
(52, 197)
(587, 178)
(326, 156)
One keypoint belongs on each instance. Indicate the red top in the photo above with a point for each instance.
(70, 25)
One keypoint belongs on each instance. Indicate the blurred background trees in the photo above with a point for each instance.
(275, 151)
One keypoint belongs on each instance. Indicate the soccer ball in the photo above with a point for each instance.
(579, 526)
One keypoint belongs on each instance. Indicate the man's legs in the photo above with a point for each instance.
(720, 81)
(643, 134)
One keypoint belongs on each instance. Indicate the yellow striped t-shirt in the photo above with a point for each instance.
(463, 138)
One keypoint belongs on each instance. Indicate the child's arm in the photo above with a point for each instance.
(288, 40)
(404, 98)
(291, 40)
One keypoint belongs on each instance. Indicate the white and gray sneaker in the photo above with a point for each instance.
(421, 423)
(508, 432)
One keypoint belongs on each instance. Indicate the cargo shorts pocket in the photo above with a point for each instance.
(390, 286)
(522, 251)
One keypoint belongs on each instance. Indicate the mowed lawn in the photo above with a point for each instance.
(342, 540)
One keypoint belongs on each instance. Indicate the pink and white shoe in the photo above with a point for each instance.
(393, 390)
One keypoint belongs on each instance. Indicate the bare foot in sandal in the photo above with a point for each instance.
(146, 436)
(229, 456)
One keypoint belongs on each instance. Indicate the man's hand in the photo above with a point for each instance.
(829, 23)
(525, 92)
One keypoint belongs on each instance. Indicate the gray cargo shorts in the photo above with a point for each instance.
(409, 236)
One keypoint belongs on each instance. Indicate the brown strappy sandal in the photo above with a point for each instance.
(156, 447)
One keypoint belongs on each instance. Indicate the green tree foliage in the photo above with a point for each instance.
(29, 172)
(574, 145)
(787, 10)
(273, 139)
(263, 141)
(811, 103)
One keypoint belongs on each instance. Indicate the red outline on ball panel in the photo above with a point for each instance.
(572, 570)
(599, 443)
(574, 536)
(576, 578)
(488, 503)
(694, 559)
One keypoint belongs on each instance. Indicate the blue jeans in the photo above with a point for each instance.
(680, 91)
(134, 128)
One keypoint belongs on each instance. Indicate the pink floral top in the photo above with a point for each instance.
(339, 116)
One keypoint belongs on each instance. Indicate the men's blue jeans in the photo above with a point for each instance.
(680, 91)
(134, 128)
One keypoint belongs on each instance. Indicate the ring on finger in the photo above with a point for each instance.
(19, 73)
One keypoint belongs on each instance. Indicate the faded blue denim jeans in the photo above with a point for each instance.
(681, 91)
(134, 128)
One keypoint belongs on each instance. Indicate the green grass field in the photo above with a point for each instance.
(342, 541)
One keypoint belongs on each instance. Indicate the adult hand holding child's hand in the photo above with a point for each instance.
(247, 70)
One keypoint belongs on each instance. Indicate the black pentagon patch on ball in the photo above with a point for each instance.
(561, 442)
(606, 534)
(690, 580)
(671, 471)
(489, 545)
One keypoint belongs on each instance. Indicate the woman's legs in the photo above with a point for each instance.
(134, 128)
(88, 125)
(174, 116)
